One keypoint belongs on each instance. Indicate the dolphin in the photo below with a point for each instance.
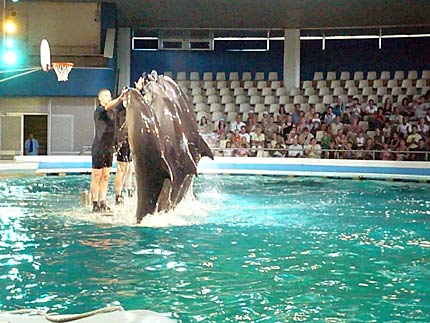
(165, 143)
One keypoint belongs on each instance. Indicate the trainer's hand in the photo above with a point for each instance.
(139, 83)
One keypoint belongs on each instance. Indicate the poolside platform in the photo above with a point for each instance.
(357, 169)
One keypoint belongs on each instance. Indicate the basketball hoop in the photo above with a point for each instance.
(62, 69)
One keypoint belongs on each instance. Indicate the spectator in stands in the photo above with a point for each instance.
(313, 149)
(221, 130)
(325, 140)
(341, 140)
(296, 114)
(310, 115)
(423, 128)
(387, 130)
(354, 127)
(402, 151)
(203, 126)
(386, 153)
(379, 119)
(406, 109)
(294, 134)
(305, 137)
(339, 107)
(287, 126)
(387, 107)
(265, 120)
(428, 116)
(244, 133)
(420, 108)
(236, 138)
(330, 116)
(336, 125)
(282, 114)
(349, 153)
(395, 141)
(421, 153)
(228, 151)
(295, 149)
(404, 128)
(360, 140)
(378, 139)
(413, 138)
(315, 123)
(271, 127)
(395, 118)
(346, 116)
(237, 124)
(370, 112)
(258, 141)
(278, 151)
(331, 153)
(251, 122)
(356, 109)
(368, 149)
(243, 149)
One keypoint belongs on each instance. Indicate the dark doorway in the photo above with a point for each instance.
(38, 124)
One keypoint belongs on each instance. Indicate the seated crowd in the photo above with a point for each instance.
(342, 131)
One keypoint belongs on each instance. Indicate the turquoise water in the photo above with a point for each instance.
(258, 249)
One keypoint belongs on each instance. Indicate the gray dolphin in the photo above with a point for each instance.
(165, 143)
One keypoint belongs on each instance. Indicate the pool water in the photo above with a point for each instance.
(253, 249)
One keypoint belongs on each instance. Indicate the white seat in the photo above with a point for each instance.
(227, 99)
(248, 84)
(305, 107)
(321, 84)
(273, 76)
(371, 75)
(246, 76)
(381, 91)
(220, 76)
(244, 107)
(425, 89)
(327, 99)
(259, 76)
(318, 76)
(275, 85)
(344, 76)
(268, 100)
(338, 91)
(224, 91)
(211, 91)
(183, 84)
(396, 91)
(233, 76)
(201, 107)
(238, 91)
(420, 83)
(230, 107)
(221, 84)
(391, 84)
(324, 91)
(352, 91)
(259, 108)
(349, 83)
(289, 107)
(334, 84)
(344, 98)
(314, 99)
(412, 75)
(198, 99)
(385, 75)
(240, 99)
(331, 76)
(307, 84)
(194, 76)
(281, 91)
(406, 83)
(231, 116)
(261, 85)
(359, 75)
(374, 98)
(266, 91)
(363, 83)
(215, 107)
(295, 91)
(425, 75)
(378, 83)
(217, 116)
(364, 125)
(253, 91)
(399, 75)
(411, 90)
(181, 76)
(298, 99)
(196, 91)
(367, 91)
(284, 99)
(168, 73)
(213, 99)
(207, 76)
(400, 98)
(234, 84)
(194, 84)
(309, 91)
(208, 84)
(320, 107)
(255, 99)
(274, 108)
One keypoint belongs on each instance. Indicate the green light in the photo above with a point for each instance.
(10, 57)
(9, 43)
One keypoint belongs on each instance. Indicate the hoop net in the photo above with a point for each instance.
(62, 69)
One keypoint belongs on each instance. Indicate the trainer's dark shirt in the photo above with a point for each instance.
(105, 128)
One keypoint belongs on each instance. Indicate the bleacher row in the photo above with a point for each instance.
(218, 98)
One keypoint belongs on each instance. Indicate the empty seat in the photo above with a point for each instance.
(266, 91)
(412, 75)
(227, 99)
(338, 91)
(318, 76)
(381, 91)
(275, 85)
(259, 108)
(201, 107)
(244, 107)
(181, 76)
(231, 116)
(274, 108)
(307, 84)
(214, 107)
(363, 83)
(268, 100)
(213, 99)
(349, 83)
(183, 84)
(399, 75)
(208, 84)
(396, 91)
(234, 84)
(281, 91)
(406, 83)
(321, 84)
(207, 76)
(220, 76)
(246, 76)
(259, 76)
(194, 84)
(196, 91)
(298, 99)
(364, 125)
(411, 90)
(261, 84)
(284, 100)
(378, 83)
(211, 91)
(253, 91)
(313, 99)
(224, 91)
(420, 83)
(359, 75)
(352, 91)
(255, 99)
(385, 75)
(391, 84)
(194, 76)
(425, 75)
(169, 74)
(320, 107)
(198, 99)
(248, 84)
(295, 91)
(221, 84)
(331, 76)
(334, 84)
(344, 98)
(217, 116)
(344, 76)
(239, 91)
(367, 91)
(309, 91)
(240, 99)
(289, 107)
(324, 91)
(273, 76)
(371, 75)
(230, 107)
(327, 99)
(233, 76)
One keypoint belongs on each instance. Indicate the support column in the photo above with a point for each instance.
(292, 58)
(124, 57)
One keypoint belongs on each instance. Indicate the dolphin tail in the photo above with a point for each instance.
(164, 198)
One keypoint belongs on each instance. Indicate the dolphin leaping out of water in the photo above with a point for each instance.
(165, 143)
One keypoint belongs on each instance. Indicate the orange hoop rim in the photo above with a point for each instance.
(54, 64)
